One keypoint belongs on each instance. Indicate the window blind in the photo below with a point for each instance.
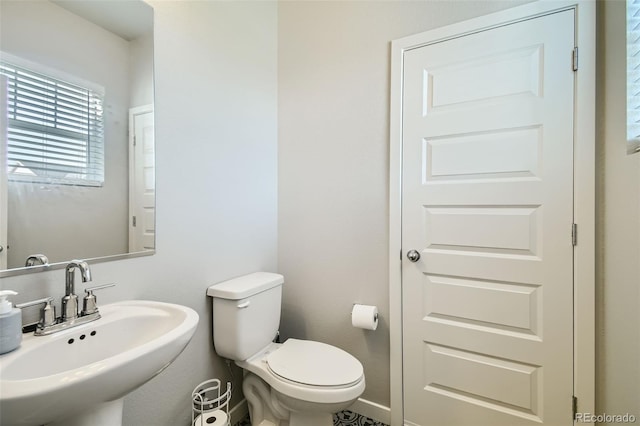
(633, 72)
(55, 129)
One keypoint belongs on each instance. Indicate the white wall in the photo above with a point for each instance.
(141, 71)
(333, 164)
(618, 227)
(216, 120)
(44, 33)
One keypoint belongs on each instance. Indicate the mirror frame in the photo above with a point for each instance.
(61, 265)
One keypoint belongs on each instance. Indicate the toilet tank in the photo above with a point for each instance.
(246, 314)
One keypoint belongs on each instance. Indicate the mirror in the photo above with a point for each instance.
(100, 204)
(633, 77)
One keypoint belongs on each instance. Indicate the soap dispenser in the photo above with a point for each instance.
(10, 323)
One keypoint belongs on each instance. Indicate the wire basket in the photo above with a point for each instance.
(210, 406)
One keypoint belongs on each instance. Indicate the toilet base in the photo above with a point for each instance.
(310, 419)
(296, 419)
(268, 407)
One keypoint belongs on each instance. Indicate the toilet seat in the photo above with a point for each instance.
(314, 364)
(332, 393)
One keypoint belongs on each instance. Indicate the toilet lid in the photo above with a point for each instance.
(314, 363)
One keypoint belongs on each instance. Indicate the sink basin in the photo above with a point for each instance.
(63, 377)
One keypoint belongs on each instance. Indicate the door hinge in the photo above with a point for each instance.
(133, 221)
(400, 255)
(574, 406)
(574, 58)
(134, 140)
(574, 234)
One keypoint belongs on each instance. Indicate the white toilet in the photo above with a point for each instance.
(296, 383)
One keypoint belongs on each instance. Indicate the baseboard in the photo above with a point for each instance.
(372, 410)
(239, 412)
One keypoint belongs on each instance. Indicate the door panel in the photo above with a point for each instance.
(488, 203)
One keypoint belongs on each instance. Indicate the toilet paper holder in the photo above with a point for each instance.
(364, 316)
(375, 315)
(210, 405)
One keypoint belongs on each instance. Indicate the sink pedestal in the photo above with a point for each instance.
(105, 414)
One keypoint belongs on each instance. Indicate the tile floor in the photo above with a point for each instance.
(348, 418)
(243, 422)
(343, 418)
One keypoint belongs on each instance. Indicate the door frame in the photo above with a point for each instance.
(584, 188)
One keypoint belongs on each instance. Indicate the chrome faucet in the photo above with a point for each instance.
(70, 317)
(70, 299)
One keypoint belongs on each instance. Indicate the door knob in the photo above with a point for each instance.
(413, 255)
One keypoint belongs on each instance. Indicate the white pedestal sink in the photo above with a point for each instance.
(79, 376)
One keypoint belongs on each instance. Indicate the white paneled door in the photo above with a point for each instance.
(488, 209)
(142, 183)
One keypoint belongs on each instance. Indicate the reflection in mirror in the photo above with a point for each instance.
(633, 76)
(77, 132)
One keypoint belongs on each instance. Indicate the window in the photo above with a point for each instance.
(55, 129)
(633, 76)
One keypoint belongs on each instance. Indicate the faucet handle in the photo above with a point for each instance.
(89, 302)
(34, 302)
(47, 313)
(89, 290)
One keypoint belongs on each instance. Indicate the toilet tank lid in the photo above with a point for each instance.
(245, 286)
